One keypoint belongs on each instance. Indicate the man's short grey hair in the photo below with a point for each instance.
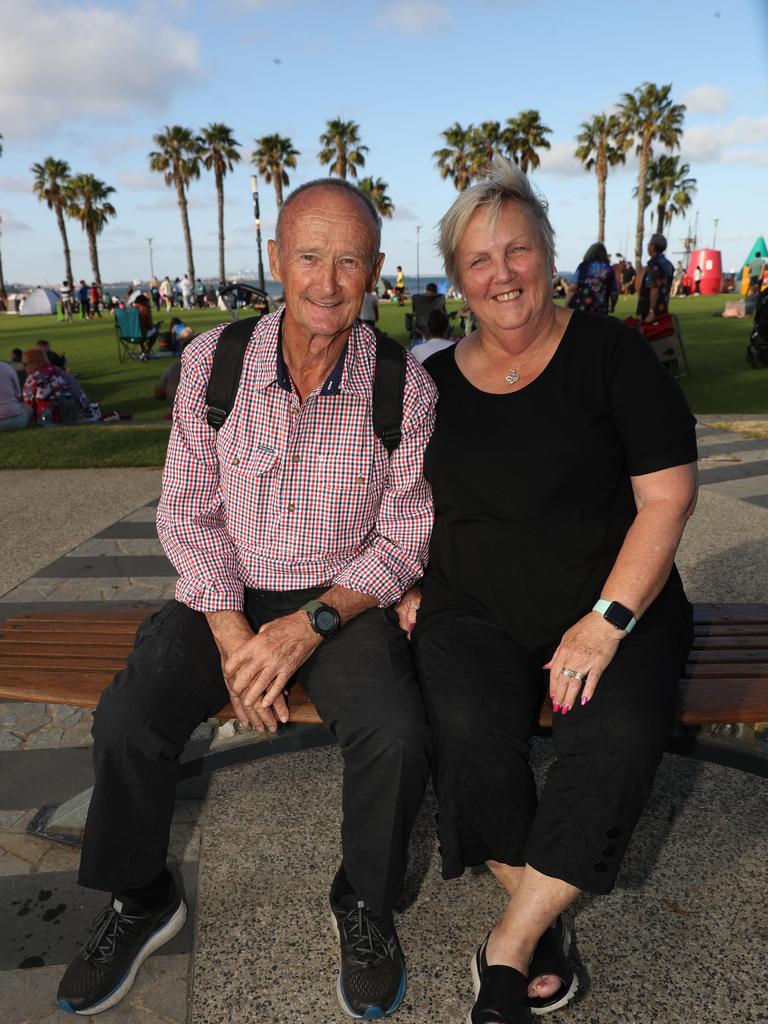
(658, 242)
(340, 185)
(503, 182)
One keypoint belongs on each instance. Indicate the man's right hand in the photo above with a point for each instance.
(233, 635)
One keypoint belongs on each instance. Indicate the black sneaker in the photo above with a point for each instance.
(372, 978)
(105, 970)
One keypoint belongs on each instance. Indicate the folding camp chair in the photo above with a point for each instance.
(423, 304)
(237, 297)
(130, 337)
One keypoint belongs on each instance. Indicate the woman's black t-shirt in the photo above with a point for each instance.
(532, 489)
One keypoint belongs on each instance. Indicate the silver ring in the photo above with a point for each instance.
(579, 676)
(569, 672)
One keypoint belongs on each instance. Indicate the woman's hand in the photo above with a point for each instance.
(407, 608)
(587, 648)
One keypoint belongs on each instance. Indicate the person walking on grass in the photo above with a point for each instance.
(289, 566)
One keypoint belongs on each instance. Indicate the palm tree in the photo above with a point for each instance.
(342, 148)
(51, 179)
(648, 116)
(177, 158)
(456, 160)
(86, 201)
(523, 135)
(668, 180)
(219, 153)
(376, 190)
(487, 141)
(273, 155)
(3, 292)
(597, 148)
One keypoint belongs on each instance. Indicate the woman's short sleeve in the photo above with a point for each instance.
(649, 408)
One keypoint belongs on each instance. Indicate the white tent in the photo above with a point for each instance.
(40, 301)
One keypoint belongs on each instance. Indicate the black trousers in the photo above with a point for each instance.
(363, 684)
(483, 693)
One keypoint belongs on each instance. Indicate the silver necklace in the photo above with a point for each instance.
(513, 376)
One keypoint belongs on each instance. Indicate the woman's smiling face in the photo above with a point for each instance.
(503, 268)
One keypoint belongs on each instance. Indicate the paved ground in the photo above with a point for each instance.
(679, 940)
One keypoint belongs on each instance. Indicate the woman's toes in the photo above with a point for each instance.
(543, 987)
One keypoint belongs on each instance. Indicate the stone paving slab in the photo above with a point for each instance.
(99, 566)
(40, 589)
(681, 939)
(118, 546)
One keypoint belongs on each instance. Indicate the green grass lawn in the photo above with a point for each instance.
(720, 381)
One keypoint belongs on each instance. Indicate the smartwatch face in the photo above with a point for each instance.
(326, 620)
(618, 615)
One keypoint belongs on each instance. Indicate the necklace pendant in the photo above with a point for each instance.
(513, 377)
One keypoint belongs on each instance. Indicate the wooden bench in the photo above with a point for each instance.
(69, 657)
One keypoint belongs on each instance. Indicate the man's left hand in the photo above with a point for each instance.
(262, 668)
(588, 648)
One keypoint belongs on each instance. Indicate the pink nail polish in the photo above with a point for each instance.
(555, 706)
(584, 699)
(566, 709)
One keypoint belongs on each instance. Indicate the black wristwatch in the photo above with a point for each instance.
(617, 614)
(325, 620)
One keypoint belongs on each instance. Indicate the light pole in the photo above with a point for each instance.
(418, 269)
(151, 262)
(714, 236)
(257, 220)
(2, 282)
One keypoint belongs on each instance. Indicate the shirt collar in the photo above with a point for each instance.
(351, 374)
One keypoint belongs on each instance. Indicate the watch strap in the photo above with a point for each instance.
(602, 607)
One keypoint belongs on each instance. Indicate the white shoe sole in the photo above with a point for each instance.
(539, 1011)
(172, 926)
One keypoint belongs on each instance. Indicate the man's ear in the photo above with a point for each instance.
(376, 272)
(274, 260)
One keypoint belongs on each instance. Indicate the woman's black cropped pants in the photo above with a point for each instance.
(483, 693)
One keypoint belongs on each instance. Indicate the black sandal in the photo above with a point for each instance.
(501, 993)
(551, 957)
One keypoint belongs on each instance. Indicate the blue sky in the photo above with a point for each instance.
(91, 83)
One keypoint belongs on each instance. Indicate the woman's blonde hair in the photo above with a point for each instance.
(503, 182)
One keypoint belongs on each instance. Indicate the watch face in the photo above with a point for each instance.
(326, 620)
(618, 615)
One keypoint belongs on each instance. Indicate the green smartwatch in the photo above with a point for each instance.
(615, 613)
(324, 619)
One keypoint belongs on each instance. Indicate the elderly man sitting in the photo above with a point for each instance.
(294, 532)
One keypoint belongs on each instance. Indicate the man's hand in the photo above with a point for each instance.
(407, 608)
(259, 670)
(258, 666)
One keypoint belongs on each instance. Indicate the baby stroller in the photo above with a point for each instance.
(757, 349)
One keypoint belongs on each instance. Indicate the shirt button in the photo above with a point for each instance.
(291, 508)
(359, 479)
(295, 458)
(235, 461)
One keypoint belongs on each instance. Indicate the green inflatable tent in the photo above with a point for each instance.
(758, 247)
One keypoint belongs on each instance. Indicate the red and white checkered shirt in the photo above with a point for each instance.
(290, 495)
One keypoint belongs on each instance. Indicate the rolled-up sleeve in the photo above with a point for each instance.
(191, 519)
(395, 554)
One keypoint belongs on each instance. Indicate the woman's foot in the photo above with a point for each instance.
(500, 993)
(551, 980)
(498, 952)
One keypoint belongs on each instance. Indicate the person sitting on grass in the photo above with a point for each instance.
(170, 378)
(44, 385)
(54, 358)
(14, 414)
(180, 333)
(438, 336)
(16, 364)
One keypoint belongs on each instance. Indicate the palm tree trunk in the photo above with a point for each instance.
(182, 199)
(277, 177)
(3, 293)
(65, 243)
(220, 204)
(661, 216)
(342, 164)
(642, 178)
(601, 207)
(93, 253)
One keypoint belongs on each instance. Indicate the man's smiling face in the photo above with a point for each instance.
(326, 262)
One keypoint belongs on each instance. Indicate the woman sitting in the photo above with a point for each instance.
(53, 395)
(560, 503)
(594, 288)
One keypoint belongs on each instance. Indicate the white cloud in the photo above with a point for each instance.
(413, 16)
(63, 63)
(148, 181)
(707, 99)
(714, 143)
(9, 223)
(403, 213)
(560, 159)
(15, 184)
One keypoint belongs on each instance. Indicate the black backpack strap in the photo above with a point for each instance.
(226, 370)
(388, 388)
